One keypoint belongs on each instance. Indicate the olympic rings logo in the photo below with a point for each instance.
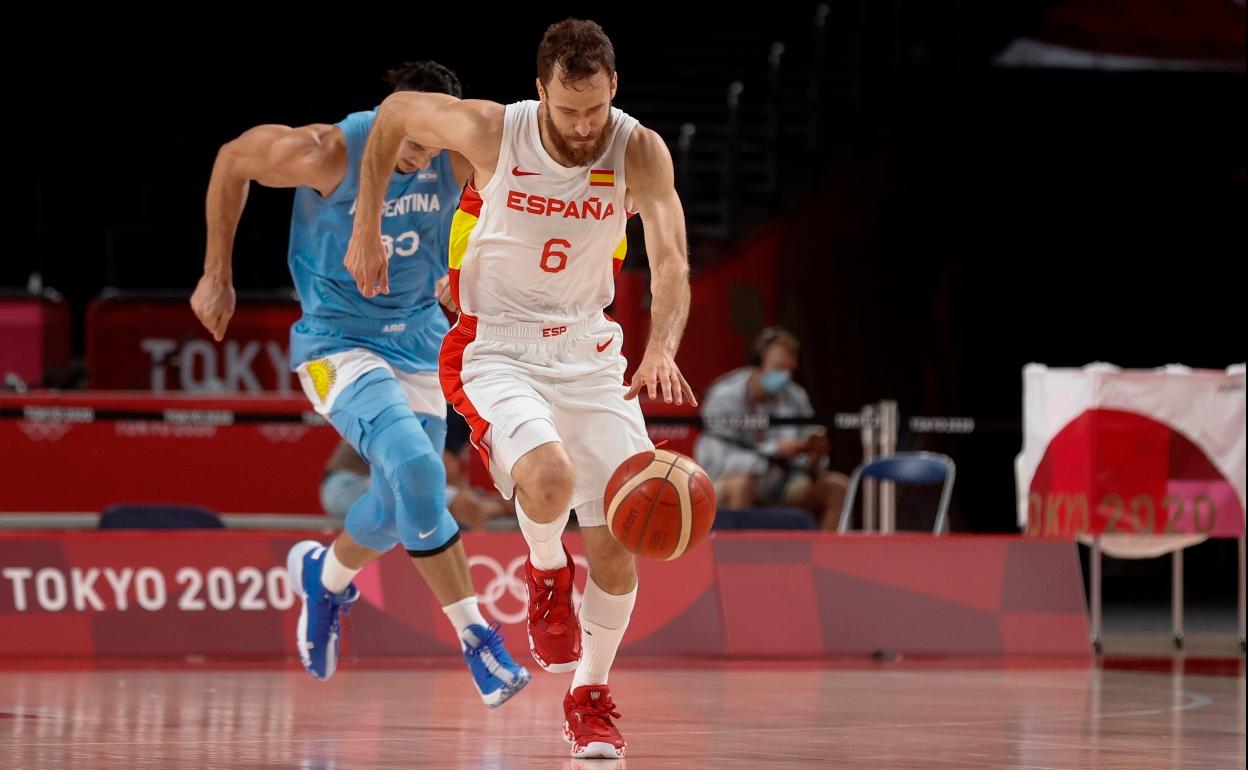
(507, 586)
(44, 431)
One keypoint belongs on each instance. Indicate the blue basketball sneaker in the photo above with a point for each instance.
(318, 629)
(495, 674)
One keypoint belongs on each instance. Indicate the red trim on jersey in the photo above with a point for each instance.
(450, 367)
(470, 200)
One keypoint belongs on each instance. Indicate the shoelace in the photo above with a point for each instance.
(499, 661)
(335, 618)
(553, 607)
(493, 641)
(601, 713)
(343, 607)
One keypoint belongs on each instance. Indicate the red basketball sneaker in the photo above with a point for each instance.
(588, 711)
(554, 631)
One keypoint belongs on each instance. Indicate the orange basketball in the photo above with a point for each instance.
(659, 504)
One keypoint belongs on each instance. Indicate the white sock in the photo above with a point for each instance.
(545, 540)
(335, 575)
(604, 618)
(464, 613)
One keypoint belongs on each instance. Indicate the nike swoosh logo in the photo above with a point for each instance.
(517, 172)
(603, 346)
(423, 535)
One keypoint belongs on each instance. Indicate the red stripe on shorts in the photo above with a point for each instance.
(450, 369)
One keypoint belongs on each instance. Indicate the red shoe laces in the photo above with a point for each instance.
(600, 712)
(554, 607)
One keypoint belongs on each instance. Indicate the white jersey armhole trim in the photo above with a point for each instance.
(623, 131)
(511, 115)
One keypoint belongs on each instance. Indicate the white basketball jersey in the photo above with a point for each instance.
(541, 243)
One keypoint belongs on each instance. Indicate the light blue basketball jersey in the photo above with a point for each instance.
(406, 326)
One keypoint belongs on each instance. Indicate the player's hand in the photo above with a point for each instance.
(442, 290)
(213, 303)
(658, 373)
(368, 263)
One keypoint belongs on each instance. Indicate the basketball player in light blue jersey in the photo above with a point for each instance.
(369, 365)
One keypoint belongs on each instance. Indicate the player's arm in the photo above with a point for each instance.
(461, 168)
(274, 156)
(471, 128)
(651, 182)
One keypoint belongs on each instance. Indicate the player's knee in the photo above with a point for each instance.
(553, 491)
(371, 524)
(429, 532)
(547, 478)
(420, 477)
(424, 524)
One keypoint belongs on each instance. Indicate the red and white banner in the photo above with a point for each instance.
(83, 451)
(225, 593)
(1107, 450)
(250, 454)
(159, 345)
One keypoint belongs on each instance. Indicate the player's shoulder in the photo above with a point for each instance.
(311, 142)
(484, 112)
(321, 140)
(645, 142)
(646, 156)
(321, 133)
(360, 121)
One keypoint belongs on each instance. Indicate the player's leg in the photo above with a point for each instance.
(603, 430)
(544, 481)
(606, 606)
(444, 566)
(322, 576)
(406, 449)
(405, 503)
(511, 426)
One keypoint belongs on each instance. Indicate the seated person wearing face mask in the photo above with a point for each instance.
(779, 466)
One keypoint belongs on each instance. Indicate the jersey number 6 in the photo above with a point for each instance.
(554, 261)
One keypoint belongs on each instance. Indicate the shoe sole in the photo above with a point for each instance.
(550, 668)
(593, 749)
(507, 691)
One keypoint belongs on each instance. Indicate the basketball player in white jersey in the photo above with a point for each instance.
(533, 364)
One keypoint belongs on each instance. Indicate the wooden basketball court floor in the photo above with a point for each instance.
(680, 714)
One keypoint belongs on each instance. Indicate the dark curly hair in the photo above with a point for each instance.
(579, 47)
(428, 76)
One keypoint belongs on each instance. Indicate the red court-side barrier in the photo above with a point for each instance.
(225, 593)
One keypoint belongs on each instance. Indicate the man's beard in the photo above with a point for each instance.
(577, 154)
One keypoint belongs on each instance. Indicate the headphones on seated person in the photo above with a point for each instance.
(764, 339)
